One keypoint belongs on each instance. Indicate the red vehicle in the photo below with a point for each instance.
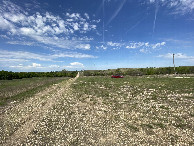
(116, 76)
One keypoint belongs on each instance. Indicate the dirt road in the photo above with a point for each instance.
(23, 120)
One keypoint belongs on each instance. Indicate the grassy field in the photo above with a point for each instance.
(19, 89)
(144, 110)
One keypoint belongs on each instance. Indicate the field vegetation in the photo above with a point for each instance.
(137, 110)
(100, 110)
(19, 89)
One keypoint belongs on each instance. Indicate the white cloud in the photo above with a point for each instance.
(152, 1)
(147, 44)
(6, 25)
(157, 45)
(135, 45)
(75, 65)
(86, 26)
(27, 31)
(33, 65)
(87, 16)
(163, 43)
(110, 44)
(45, 28)
(54, 66)
(177, 56)
(36, 65)
(15, 18)
(103, 47)
(16, 66)
(75, 26)
(143, 50)
(114, 44)
(74, 15)
(84, 46)
(145, 47)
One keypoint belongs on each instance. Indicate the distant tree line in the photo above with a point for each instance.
(141, 71)
(8, 75)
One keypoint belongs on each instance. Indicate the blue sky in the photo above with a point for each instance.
(51, 35)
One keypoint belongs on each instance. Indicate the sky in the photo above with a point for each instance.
(52, 35)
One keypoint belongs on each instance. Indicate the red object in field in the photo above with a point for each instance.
(116, 76)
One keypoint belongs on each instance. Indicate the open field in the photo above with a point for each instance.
(105, 111)
(139, 110)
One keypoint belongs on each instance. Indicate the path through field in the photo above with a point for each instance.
(22, 120)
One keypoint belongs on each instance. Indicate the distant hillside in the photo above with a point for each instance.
(141, 71)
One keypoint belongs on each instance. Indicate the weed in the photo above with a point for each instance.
(147, 125)
(160, 125)
(132, 127)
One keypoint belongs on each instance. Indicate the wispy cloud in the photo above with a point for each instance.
(26, 43)
(117, 11)
(4, 36)
(33, 65)
(156, 14)
(178, 41)
(4, 54)
(72, 55)
(24, 56)
(181, 7)
(36, 67)
(177, 56)
(135, 25)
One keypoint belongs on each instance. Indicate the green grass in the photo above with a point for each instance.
(19, 89)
